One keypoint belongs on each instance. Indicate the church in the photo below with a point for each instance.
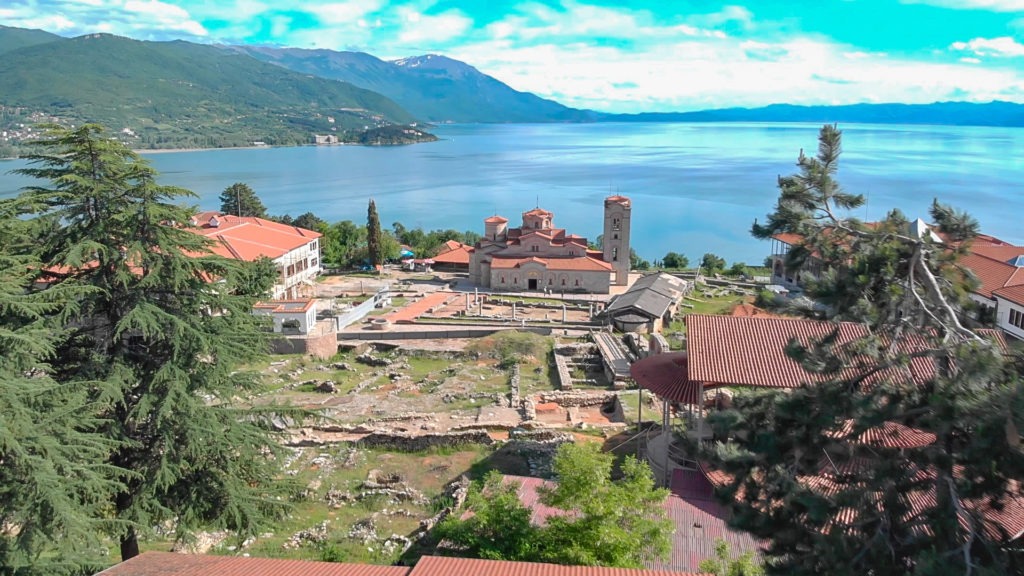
(540, 257)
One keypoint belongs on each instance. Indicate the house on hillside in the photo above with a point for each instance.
(997, 265)
(540, 257)
(295, 251)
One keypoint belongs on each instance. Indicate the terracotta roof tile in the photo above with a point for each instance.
(666, 376)
(249, 238)
(495, 219)
(1014, 294)
(890, 435)
(618, 199)
(575, 264)
(747, 351)
(993, 274)
(453, 252)
(170, 564)
(537, 212)
(445, 566)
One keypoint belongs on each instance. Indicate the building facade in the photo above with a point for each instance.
(294, 251)
(540, 257)
(997, 265)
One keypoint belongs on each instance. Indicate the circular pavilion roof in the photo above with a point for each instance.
(665, 375)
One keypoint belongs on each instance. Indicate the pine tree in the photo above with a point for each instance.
(155, 342)
(802, 474)
(52, 482)
(240, 200)
(373, 236)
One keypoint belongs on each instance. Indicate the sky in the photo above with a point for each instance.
(621, 56)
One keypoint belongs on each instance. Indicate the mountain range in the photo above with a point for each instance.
(182, 94)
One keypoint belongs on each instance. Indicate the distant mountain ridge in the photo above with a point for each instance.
(180, 94)
(995, 113)
(431, 87)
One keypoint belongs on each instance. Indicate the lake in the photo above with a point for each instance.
(696, 188)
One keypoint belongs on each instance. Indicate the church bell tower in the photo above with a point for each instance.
(616, 237)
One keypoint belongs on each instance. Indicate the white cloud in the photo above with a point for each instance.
(991, 5)
(345, 12)
(142, 19)
(969, 60)
(691, 74)
(418, 27)
(1003, 46)
(165, 16)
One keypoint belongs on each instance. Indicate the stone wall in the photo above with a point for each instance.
(578, 398)
(419, 442)
(455, 332)
(321, 346)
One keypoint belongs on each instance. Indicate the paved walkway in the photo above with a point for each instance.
(410, 312)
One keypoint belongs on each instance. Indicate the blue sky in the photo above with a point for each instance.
(622, 56)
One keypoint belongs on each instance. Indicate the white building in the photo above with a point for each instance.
(295, 251)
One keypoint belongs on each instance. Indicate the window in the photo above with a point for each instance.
(572, 252)
(515, 279)
(534, 248)
(577, 281)
(550, 281)
(616, 224)
(1017, 318)
(502, 279)
(615, 254)
(563, 281)
(313, 262)
(615, 236)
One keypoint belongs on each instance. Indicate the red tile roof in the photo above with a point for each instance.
(666, 376)
(993, 274)
(453, 252)
(170, 564)
(495, 219)
(744, 351)
(249, 238)
(444, 566)
(617, 199)
(698, 520)
(1014, 294)
(537, 212)
(575, 264)
(889, 435)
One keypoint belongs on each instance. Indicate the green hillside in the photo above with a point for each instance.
(14, 38)
(179, 94)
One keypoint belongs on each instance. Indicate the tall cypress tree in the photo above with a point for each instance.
(153, 344)
(373, 239)
(803, 474)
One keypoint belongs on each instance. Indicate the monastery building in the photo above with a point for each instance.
(539, 257)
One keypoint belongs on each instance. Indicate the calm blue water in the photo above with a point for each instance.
(696, 188)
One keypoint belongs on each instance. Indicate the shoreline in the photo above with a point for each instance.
(176, 150)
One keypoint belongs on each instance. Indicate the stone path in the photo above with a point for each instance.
(410, 312)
